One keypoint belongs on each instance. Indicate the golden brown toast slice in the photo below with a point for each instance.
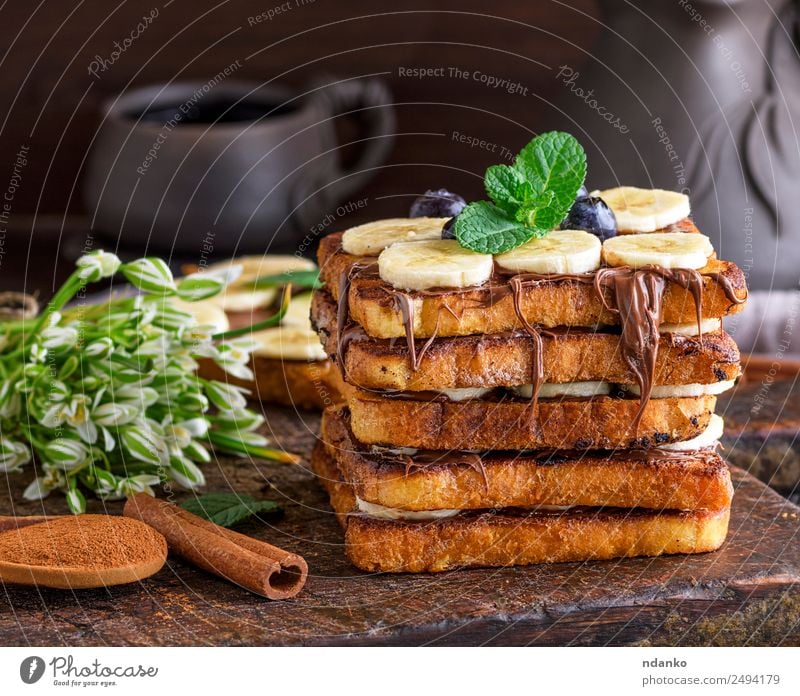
(435, 480)
(505, 359)
(490, 308)
(600, 422)
(513, 537)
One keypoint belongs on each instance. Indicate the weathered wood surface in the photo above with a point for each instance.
(762, 430)
(747, 593)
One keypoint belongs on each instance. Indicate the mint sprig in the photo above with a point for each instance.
(529, 198)
(228, 509)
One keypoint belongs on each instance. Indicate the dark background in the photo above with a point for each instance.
(50, 103)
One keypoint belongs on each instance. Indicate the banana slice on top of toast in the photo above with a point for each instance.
(373, 237)
(559, 251)
(433, 263)
(666, 249)
(644, 210)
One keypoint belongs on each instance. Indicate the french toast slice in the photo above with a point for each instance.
(513, 536)
(490, 308)
(600, 422)
(435, 480)
(505, 359)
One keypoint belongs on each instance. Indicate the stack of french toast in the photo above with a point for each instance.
(551, 403)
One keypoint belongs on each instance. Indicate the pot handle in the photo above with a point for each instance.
(372, 101)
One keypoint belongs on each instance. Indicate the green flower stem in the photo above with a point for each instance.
(234, 446)
(65, 293)
(274, 320)
(35, 441)
(300, 279)
(98, 311)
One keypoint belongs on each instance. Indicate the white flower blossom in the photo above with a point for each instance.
(66, 454)
(41, 486)
(141, 483)
(75, 501)
(114, 414)
(59, 337)
(13, 455)
(224, 396)
(150, 274)
(97, 265)
(101, 348)
(200, 286)
(77, 413)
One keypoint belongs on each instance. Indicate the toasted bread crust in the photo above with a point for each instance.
(594, 479)
(305, 385)
(597, 423)
(549, 304)
(504, 360)
(502, 539)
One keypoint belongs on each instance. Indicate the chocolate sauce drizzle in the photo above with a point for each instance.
(634, 295)
(425, 459)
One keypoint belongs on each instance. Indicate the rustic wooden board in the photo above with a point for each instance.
(747, 593)
(762, 430)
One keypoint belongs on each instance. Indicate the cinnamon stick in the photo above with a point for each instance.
(14, 522)
(247, 562)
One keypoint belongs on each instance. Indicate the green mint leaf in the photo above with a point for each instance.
(228, 509)
(487, 229)
(507, 187)
(541, 213)
(556, 162)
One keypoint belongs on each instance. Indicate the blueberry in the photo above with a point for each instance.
(439, 203)
(593, 215)
(583, 192)
(449, 229)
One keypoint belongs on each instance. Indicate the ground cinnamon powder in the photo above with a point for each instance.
(85, 541)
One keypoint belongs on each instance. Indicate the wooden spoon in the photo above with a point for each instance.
(149, 557)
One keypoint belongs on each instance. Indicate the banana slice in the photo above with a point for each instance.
(549, 390)
(559, 251)
(465, 393)
(235, 299)
(433, 263)
(386, 513)
(298, 313)
(371, 239)
(644, 210)
(708, 438)
(707, 326)
(205, 313)
(288, 343)
(666, 249)
(667, 391)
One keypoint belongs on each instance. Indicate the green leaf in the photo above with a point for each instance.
(556, 162)
(199, 286)
(541, 214)
(530, 199)
(507, 187)
(485, 228)
(227, 509)
(299, 279)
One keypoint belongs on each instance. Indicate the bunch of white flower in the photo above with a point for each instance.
(106, 398)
